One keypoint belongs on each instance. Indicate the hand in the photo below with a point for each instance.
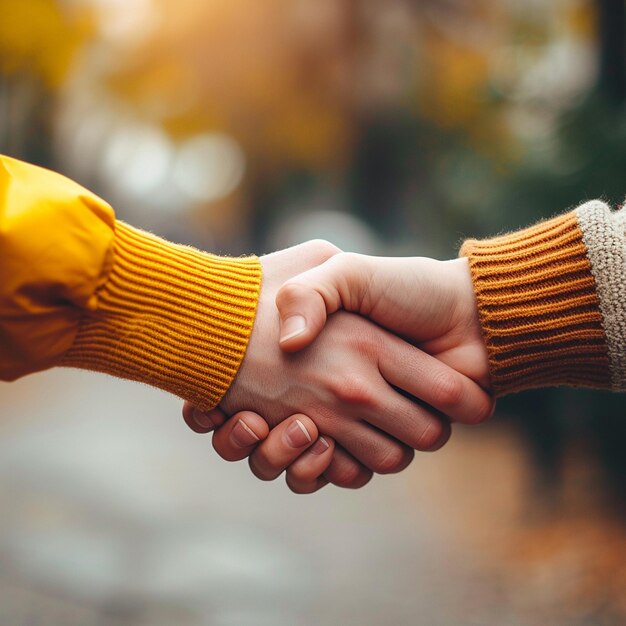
(344, 382)
(293, 446)
(429, 302)
(344, 470)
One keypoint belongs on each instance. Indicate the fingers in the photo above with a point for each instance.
(305, 301)
(375, 450)
(285, 444)
(293, 445)
(433, 382)
(415, 425)
(239, 436)
(305, 474)
(444, 436)
(345, 471)
(202, 421)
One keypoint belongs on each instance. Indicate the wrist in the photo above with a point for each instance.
(466, 323)
(170, 316)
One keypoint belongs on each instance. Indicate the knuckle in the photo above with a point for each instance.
(447, 390)
(390, 461)
(267, 463)
(294, 486)
(347, 476)
(262, 471)
(289, 293)
(223, 450)
(323, 249)
(295, 481)
(354, 389)
(297, 486)
(366, 343)
(430, 435)
(300, 474)
(444, 438)
(346, 264)
(485, 411)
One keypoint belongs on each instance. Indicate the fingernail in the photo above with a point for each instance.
(242, 435)
(297, 435)
(292, 327)
(202, 419)
(320, 446)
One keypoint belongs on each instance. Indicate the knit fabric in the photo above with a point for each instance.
(604, 234)
(539, 309)
(170, 316)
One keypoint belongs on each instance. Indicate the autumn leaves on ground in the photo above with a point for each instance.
(559, 552)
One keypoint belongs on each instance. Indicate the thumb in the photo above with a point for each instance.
(305, 301)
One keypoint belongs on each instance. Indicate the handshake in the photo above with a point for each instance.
(353, 363)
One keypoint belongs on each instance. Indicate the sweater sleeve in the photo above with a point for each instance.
(552, 301)
(80, 289)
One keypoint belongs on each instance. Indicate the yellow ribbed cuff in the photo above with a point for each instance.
(170, 316)
(538, 308)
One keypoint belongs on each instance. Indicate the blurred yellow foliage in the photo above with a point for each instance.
(286, 77)
(252, 69)
(454, 94)
(38, 37)
(581, 19)
(453, 90)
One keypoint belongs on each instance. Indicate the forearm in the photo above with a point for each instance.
(551, 301)
(78, 288)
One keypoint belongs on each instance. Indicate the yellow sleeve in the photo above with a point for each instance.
(80, 289)
(56, 243)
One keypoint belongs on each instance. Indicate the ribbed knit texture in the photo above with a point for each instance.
(604, 235)
(170, 316)
(538, 308)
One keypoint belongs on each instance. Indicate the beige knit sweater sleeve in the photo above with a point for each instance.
(552, 301)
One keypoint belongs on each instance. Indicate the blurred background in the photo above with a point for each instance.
(396, 127)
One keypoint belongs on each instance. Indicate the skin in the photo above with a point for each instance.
(429, 302)
(275, 452)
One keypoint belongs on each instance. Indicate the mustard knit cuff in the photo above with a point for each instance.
(538, 308)
(170, 316)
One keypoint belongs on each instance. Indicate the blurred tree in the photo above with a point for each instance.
(612, 17)
(588, 161)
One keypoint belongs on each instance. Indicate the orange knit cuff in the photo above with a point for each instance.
(538, 308)
(170, 316)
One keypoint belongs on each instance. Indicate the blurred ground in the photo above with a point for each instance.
(113, 514)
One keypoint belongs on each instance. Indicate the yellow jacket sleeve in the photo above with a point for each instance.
(80, 289)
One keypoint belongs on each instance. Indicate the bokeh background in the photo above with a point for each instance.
(394, 127)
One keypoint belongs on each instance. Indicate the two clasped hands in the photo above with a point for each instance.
(354, 362)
